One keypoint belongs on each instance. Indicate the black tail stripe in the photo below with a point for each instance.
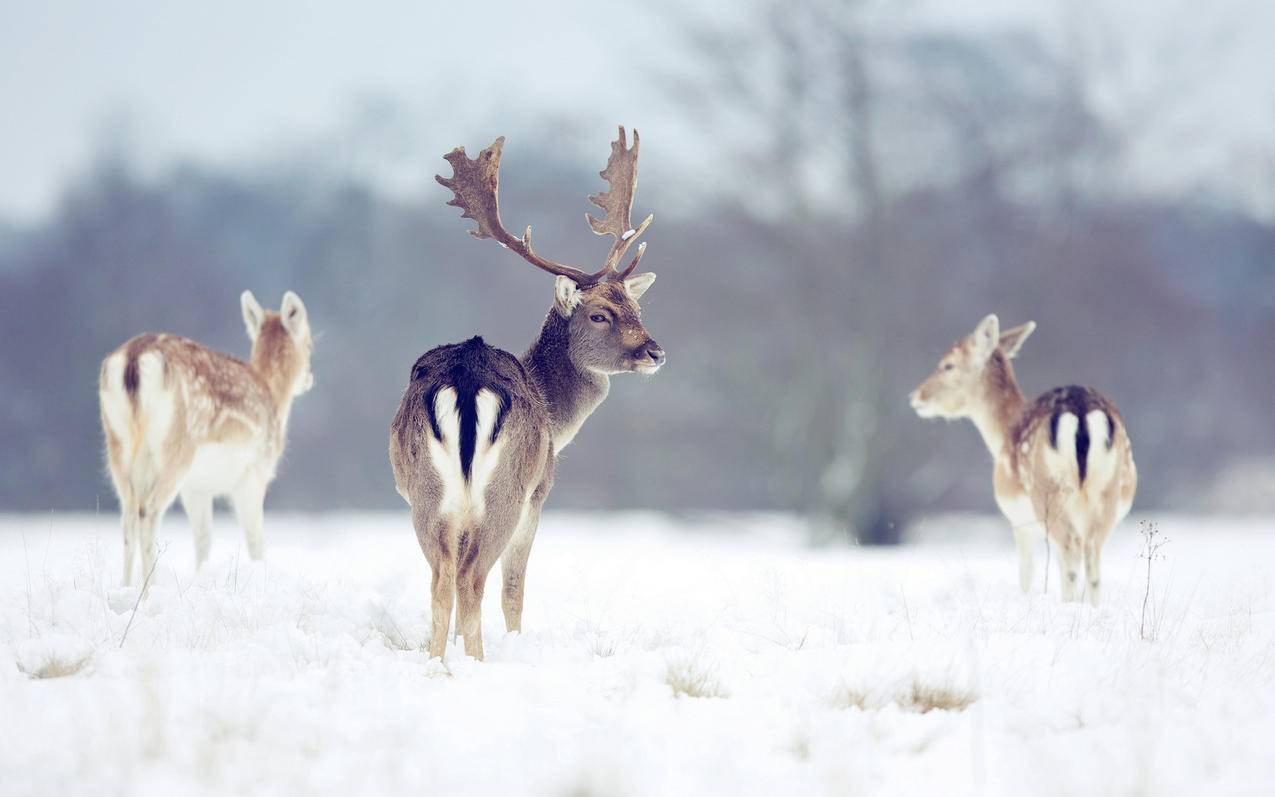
(1082, 447)
(465, 376)
(1082, 440)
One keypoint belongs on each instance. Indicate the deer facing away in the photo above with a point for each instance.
(183, 419)
(1062, 463)
(474, 440)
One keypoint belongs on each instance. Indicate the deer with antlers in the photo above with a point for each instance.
(476, 434)
(1063, 463)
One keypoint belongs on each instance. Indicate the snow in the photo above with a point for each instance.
(306, 674)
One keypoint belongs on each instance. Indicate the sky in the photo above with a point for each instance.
(238, 80)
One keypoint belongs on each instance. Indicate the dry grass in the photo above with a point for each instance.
(692, 679)
(849, 697)
(916, 696)
(57, 667)
(931, 697)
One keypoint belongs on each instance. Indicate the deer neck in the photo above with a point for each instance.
(1000, 405)
(280, 392)
(571, 393)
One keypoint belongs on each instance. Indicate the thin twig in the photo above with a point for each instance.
(140, 594)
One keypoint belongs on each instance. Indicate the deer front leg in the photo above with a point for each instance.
(199, 509)
(249, 501)
(1026, 537)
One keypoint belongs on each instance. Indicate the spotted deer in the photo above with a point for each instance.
(1062, 463)
(474, 440)
(183, 419)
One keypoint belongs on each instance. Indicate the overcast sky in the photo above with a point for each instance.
(235, 79)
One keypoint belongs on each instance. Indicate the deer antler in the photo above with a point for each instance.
(621, 175)
(476, 184)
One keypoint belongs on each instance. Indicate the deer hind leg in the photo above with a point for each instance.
(1099, 529)
(199, 510)
(513, 562)
(151, 515)
(127, 501)
(470, 584)
(1070, 549)
(439, 546)
(250, 500)
(130, 523)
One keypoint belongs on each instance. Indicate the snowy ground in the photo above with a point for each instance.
(306, 675)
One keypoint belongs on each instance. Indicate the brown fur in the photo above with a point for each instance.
(555, 386)
(166, 400)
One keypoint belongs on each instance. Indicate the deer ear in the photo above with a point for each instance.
(636, 286)
(566, 295)
(986, 337)
(1012, 339)
(253, 315)
(294, 316)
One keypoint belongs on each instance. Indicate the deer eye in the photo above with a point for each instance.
(948, 366)
(598, 318)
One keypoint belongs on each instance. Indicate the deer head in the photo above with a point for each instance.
(281, 343)
(600, 307)
(969, 370)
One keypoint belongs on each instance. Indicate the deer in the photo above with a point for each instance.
(1062, 463)
(182, 419)
(477, 432)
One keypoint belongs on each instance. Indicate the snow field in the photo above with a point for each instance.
(660, 656)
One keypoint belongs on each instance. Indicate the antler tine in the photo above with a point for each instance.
(621, 176)
(476, 186)
(632, 264)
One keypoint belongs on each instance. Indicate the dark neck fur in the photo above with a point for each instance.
(572, 394)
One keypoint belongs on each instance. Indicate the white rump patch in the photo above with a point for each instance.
(1101, 466)
(460, 499)
(1062, 457)
(116, 408)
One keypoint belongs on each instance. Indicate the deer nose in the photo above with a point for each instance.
(656, 353)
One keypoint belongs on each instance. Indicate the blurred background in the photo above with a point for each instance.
(841, 190)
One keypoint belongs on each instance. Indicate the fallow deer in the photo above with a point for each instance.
(1062, 463)
(183, 419)
(474, 440)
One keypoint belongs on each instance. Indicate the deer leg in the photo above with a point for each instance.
(199, 510)
(1026, 537)
(471, 579)
(1069, 561)
(439, 547)
(1093, 567)
(151, 516)
(513, 566)
(249, 501)
(129, 521)
(1099, 529)
(127, 500)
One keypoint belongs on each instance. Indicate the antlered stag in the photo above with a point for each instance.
(474, 440)
(1062, 462)
(183, 419)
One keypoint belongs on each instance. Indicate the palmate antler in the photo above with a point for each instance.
(621, 176)
(476, 185)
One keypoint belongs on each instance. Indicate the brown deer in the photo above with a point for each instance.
(183, 419)
(1063, 462)
(476, 434)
